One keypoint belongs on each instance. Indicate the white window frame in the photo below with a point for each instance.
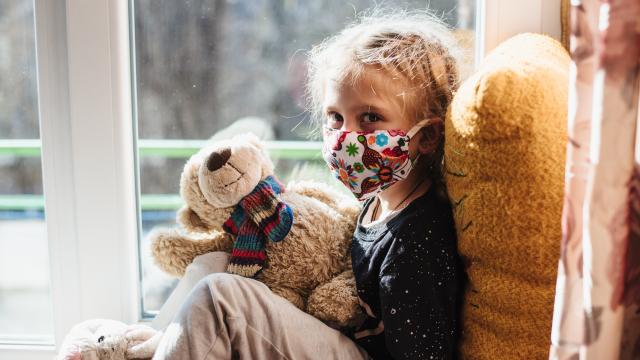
(85, 109)
(85, 114)
(499, 20)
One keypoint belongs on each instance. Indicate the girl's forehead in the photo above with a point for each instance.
(372, 84)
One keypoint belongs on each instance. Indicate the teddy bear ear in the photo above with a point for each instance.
(266, 162)
(190, 220)
(252, 139)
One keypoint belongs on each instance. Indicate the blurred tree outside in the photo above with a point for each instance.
(18, 96)
(201, 65)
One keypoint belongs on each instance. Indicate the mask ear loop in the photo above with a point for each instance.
(414, 130)
(417, 127)
(415, 160)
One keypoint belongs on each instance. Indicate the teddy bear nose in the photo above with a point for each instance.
(218, 158)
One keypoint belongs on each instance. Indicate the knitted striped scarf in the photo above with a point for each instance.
(259, 216)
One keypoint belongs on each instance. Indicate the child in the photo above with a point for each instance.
(382, 87)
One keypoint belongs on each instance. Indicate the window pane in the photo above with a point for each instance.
(25, 307)
(203, 67)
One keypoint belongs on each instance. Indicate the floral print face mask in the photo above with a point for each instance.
(367, 162)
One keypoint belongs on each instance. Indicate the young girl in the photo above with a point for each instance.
(381, 88)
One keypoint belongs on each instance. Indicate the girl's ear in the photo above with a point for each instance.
(430, 136)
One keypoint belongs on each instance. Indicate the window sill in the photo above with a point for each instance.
(27, 352)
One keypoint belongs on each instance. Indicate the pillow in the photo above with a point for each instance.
(505, 139)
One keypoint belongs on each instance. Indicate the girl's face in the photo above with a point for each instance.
(377, 102)
(374, 102)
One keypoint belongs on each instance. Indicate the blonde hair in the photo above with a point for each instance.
(414, 46)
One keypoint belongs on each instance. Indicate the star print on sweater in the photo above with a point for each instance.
(410, 280)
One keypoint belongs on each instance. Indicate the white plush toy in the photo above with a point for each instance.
(101, 339)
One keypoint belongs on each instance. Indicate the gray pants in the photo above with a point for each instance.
(227, 316)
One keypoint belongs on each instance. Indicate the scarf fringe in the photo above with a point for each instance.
(244, 270)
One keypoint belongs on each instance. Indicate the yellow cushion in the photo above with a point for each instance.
(505, 155)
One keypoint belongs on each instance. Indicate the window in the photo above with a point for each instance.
(25, 302)
(207, 69)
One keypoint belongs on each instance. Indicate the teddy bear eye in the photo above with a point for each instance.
(101, 339)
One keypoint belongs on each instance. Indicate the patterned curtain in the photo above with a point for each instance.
(597, 312)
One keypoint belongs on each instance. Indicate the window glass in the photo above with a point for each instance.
(25, 307)
(212, 68)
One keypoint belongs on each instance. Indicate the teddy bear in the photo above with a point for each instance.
(103, 339)
(295, 239)
(505, 143)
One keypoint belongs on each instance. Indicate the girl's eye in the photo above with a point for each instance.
(371, 117)
(333, 118)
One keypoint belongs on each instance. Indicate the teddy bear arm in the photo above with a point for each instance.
(289, 294)
(190, 220)
(336, 302)
(173, 251)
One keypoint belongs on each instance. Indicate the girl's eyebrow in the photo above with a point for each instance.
(361, 108)
(370, 108)
(328, 109)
